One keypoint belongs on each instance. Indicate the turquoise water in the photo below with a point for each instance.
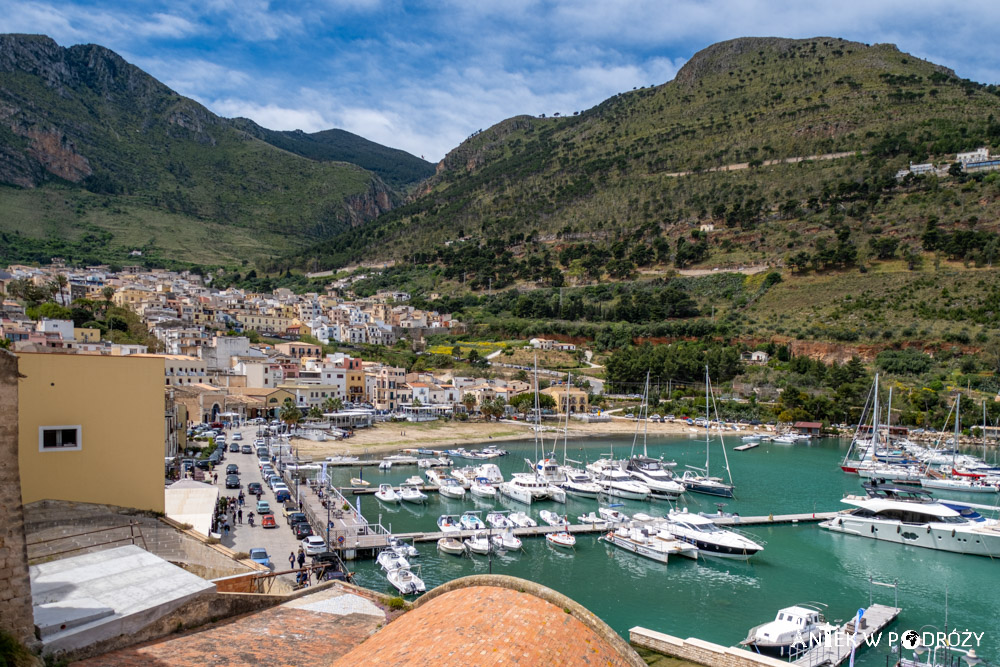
(715, 599)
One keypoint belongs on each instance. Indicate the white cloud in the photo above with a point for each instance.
(271, 116)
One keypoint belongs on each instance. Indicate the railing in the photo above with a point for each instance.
(135, 533)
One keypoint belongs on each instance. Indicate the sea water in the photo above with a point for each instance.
(715, 599)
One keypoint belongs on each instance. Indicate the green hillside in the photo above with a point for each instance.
(597, 195)
(91, 145)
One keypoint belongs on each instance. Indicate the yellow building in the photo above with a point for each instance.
(87, 335)
(91, 429)
(576, 402)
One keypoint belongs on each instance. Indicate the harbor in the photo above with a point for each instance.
(782, 492)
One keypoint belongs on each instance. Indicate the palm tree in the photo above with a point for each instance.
(315, 412)
(333, 405)
(107, 292)
(290, 414)
(59, 284)
(469, 401)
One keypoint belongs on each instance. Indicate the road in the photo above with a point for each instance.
(280, 541)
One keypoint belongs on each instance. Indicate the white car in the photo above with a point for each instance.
(237, 436)
(314, 544)
(259, 442)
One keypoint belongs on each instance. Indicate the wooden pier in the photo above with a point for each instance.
(836, 648)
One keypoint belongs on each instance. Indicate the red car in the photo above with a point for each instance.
(267, 521)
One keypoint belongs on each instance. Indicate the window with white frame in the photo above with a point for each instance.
(59, 438)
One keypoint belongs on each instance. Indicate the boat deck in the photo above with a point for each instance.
(833, 653)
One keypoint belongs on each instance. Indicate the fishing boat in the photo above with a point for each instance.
(450, 488)
(405, 581)
(447, 523)
(482, 488)
(699, 480)
(522, 520)
(793, 630)
(710, 538)
(561, 539)
(499, 520)
(644, 541)
(390, 560)
(451, 545)
(552, 519)
(478, 544)
(506, 541)
(470, 521)
(387, 494)
(914, 517)
(411, 493)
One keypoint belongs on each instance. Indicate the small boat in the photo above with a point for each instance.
(470, 521)
(390, 560)
(448, 524)
(644, 541)
(387, 494)
(481, 487)
(612, 516)
(358, 482)
(506, 541)
(561, 539)
(792, 630)
(479, 544)
(451, 545)
(552, 518)
(411, 493)
(499, 520)
(403, 548)
(415, 480)
(385, 465)
(591, 518)
(450, 488)
(786, 439)
(521, 520)
(405, 581)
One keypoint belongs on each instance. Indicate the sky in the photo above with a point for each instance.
(423, 76)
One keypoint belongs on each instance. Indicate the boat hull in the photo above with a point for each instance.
(710, 549)
(643, 550)
(709, 489)
(926, 536)
(626, 494)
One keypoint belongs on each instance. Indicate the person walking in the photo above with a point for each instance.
(225, 528)
(239, 516)
(215, 478)
(291, 560)
(302, 557)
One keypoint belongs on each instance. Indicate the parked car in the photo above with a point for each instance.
(313, 545)
(259, 442)
(272, 480)
(245, 449)
(294, 516)
(234, 447)
(233, 482)
(259, 555)
(204, 464)
(232, 469)
(253, 488)
(267, 521)
(302, 531)
(282, 495)
(264, 507)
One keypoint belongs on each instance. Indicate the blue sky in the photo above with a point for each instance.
(422, 76)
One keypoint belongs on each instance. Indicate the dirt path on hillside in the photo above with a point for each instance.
(767, 163)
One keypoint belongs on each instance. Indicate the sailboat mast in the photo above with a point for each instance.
(635, 436)
(984, 430)
(707, 429)
(569, 381)
(873, 443)
(958, 406)
(538, 412)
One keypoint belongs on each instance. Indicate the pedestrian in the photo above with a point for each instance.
(258, 496)
(291, 560)
(215, 478)
(239, 516)
(300, 505)
(225, 528)
(302, 558)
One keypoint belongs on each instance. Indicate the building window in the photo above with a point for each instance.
(59, 438)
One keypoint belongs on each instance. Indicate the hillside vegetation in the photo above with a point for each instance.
(597, 195)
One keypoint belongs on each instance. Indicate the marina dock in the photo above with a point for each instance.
(838, 648)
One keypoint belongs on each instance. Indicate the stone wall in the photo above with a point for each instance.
(698, 651)
(15, 586)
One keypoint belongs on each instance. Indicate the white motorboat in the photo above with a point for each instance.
(482, 488)
(592, 518)
(358, 482)
(557, 494)
(549, 470)
(650, 472)
(561, 539)
(965, 485)
(465, 476)
(499, 520)
(405, 581)
(414, 480)
(552, 519)
(914, 517)
(506, 541)
(434, 462)
(385, 465)
(451, 545)
(387, 494)
(390, 560)
(478, 544)
(470, 521)
(434, 477)
(403, 548)
(491, 472)
(785, 439)
(792, 631)
(411, 493)
(645, 542)
(611, 515)
(524, 488)
(579, 483)
(447, 523)
(450, 488)
(615, 482)
(710, 538)
(521, 520)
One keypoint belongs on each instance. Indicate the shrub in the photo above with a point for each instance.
(396, 603)
(241, 555)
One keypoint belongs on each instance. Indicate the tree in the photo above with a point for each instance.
(315, 412)
(333, 404)
(290, 414)
(469, 401)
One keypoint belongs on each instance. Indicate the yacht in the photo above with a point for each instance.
(491, 472)
(465, 476)
(434, 476)
(709, 537)
(481, 487)
(387, 494)
(913, 516)
(450, 488)
(651, 472)
(792, 630)
(525, 488)
(405, 581)
(645, 542)
(615, 482)
(579, 483)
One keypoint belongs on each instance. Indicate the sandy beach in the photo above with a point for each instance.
(389, 437)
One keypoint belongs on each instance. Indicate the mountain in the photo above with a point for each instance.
(99, 158)
(397, 168)
(759, 150)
